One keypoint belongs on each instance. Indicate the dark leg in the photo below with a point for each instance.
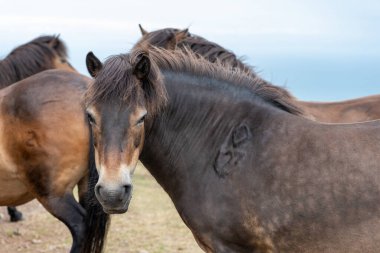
(82, 190)
(14, 214)
(67, 210)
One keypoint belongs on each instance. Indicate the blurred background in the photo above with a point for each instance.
(320, 50)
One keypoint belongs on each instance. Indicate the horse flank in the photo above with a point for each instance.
(30, 58)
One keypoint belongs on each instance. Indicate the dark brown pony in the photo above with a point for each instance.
(244, 170)
(42, 53)
(349, 111)
(44, 142)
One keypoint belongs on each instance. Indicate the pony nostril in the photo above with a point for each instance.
(97, 190)
(127, 190)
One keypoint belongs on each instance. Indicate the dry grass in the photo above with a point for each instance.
(151, 225)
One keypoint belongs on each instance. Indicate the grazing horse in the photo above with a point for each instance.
(44, 142)
(42, 53)
(349, 111)
(244, 170)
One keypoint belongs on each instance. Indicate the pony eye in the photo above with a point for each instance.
(91, 119)
(141, 120)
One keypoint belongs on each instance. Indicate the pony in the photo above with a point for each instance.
(349, 111)
(42, 53)
(46, 150)
(246, 171)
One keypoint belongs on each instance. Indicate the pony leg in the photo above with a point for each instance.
(82, 191)
(70, 212)
(14, 214)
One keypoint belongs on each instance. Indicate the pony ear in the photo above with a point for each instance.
(181, 35)
(94, 65)
(141, 66)
(55, 43)
(142, 30)
(171, 42)
(177, 38)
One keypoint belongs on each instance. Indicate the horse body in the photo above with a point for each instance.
(45, 146)
(42, 53)
(31, 131)
(244, 174)
(349, 111)
(311, 195)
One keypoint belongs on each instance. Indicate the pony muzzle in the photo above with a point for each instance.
(114, 198)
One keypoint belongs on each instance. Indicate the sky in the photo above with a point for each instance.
(320, 50)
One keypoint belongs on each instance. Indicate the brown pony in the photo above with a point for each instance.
(42, 53)
(44, 142)
(245, 171)
(349, 111)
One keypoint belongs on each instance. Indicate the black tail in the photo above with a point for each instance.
(96, 221)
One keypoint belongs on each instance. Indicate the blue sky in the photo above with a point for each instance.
(320, 50)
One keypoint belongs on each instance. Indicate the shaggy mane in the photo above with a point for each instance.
(211, 51)
(187, 61)
(112, 80)
(30, 58)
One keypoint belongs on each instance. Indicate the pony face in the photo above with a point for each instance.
(117, 105)
(118, 137)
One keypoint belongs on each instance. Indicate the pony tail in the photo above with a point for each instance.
(96, 220)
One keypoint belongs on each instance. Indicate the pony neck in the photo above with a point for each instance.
(183, 140)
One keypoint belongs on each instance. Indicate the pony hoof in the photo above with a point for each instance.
(17, 216)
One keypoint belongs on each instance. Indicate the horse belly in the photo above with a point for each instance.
(12, 190)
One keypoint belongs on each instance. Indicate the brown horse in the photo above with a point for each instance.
(42, 53)
(244, 170)
(44, 142)
(349, 111)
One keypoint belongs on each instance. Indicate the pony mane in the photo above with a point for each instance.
(211, 51)
(189, 62)
(110, 83)
(159, 38)
(30, 58)
(57, 44)
(116, 83)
